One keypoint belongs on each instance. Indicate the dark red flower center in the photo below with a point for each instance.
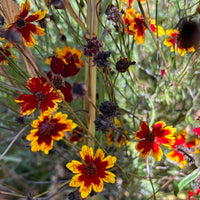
(71, 58)
(40, 96)
(150, 137)
(57, 81)
(91, 169)
(141, 25)
(46, 127)
(20, 23)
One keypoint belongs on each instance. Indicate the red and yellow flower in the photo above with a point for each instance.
(24, 26)
(5, 53)
(43, 94)
(122, 139)
(180, 141)
(76, 135)
(70, 56)
(91, 174)
(174, 40)
(150, 140)
(47, 129)
(136, 25)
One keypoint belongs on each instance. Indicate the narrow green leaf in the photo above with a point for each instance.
(188, 179)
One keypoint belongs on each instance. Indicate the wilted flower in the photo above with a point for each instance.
(109, 109)
(43, 94)
(101, 60)
(123, 64)
(47, 129)
(75, 195)
(79, 90)
(24, 26)
(150, 140)
(58, 4)
(92, 46)
(61, 85)
(115, 17)
(102, 124)
(92, 173)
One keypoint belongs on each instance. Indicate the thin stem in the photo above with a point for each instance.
(148, 172)
(14, 139)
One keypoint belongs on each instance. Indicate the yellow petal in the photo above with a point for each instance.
(98, 187)
(111, 161)
(110, 177)
(73, 166)
(86, 151)
(85, 191)
(99, 154)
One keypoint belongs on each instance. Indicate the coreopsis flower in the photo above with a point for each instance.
(70, 56)
(150, 141)
(43, 94)
(5, 53)
(24, 26)
(174, 40)
(48, 128)
(58, 66)
(93, 172)
(181, 149)
(180, 139)
(136, 25)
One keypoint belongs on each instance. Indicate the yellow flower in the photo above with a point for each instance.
(91, 174)
(47, 129)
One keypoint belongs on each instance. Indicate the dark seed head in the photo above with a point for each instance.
(109, 109)
(123, 64)
(102, 124)
(75, 195)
